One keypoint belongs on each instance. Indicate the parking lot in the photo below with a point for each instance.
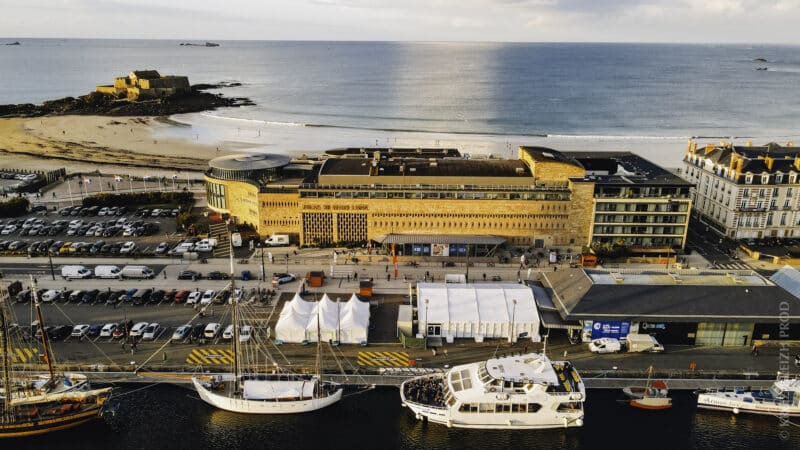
(89, 231)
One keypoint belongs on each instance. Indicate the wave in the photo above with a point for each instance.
(253, 121)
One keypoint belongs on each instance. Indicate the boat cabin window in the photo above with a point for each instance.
(486, 407)
(569, 406)
(519, 408)
(534, 407)
(483, 374)
(461, 380)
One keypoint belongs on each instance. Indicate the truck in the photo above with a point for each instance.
(106, 272)
(236, 239)
(136, 272)
(71, 272)
(277, 240)
(643, 343)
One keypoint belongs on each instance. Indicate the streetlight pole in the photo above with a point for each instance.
(263, 271)
(513, 320)
(52, 271)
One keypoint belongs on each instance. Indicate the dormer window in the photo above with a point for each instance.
(765, 178)
(779, 177)
(748, 178)
(792, 178)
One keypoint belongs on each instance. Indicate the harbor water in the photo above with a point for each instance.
(165, 416)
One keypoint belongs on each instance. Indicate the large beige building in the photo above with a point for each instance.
(434, 202)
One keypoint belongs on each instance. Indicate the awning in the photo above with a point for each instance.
(471, 239)
(551, 319)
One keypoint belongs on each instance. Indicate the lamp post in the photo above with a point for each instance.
(263, 271)
(426, 318)
(52, 271)
(513, 319)
(287, 262)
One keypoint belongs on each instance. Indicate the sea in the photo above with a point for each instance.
(482, 98)
(172, 417)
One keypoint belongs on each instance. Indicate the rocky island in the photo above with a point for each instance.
(141, 93)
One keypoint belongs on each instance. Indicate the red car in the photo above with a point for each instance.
(180, 296)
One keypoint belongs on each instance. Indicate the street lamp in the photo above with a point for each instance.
(513, 319)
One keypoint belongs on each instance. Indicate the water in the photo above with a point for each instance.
(172, 417)
(484, 97)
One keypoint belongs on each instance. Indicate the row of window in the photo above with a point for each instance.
(643, 207)
(499, 407)
(561, 196)
(637, 230)
(472, 225)
(748, 177)
(616, 218)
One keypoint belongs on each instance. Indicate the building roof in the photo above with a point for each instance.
(456, 167)
(709, 296)
(753, 158)
(624, 168)
(386, 153)
(249, 161)
(545, 154)
(146, 74)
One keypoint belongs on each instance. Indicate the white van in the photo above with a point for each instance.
(605, 345)
(70, 272)
(106, 272)
(136, 272)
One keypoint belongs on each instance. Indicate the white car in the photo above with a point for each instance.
(103, 211)
(212, 330)
(150, 332)
(108, 330)
(281, 278)
(228, 333)
(245, 333)
(51, 295)
(8, 229)
(79, 330)
(605, 345)
(193, 298)
(138, 329)
(207, 297)
(127, 247)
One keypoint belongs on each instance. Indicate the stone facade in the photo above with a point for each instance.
(146, 84)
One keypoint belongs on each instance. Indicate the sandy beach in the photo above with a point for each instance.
(81, 143)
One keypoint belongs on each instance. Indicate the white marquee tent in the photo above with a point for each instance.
(477, 310)
(346, 322)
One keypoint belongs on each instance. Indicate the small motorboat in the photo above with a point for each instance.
(653, 395)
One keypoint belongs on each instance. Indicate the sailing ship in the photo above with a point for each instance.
(39, 404)
(516, 392)
(653, 395)
(252, 392)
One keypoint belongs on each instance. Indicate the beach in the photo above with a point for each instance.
(87, 143)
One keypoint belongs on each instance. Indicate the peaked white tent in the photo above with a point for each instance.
(477, 311)
(346, 322)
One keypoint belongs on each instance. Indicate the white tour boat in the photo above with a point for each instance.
(782, 399)
(516, 392)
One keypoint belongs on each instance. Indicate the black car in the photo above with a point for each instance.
(90, 296)
(102, 297)
(96, 247)
(59, 333)
(189, 275)
(115, 297)
(139, 300)
(197, 331)
(217, 275)
(94, 330)
(156, 296)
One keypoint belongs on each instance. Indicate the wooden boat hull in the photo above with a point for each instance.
(51, 424)
(652, 403)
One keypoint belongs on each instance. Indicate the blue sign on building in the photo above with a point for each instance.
(617, 330)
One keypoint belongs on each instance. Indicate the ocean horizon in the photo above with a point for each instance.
(481, 97)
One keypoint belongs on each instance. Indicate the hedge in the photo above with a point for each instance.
(14, 207)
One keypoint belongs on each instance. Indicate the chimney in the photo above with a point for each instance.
(768, 161)
(797, 162)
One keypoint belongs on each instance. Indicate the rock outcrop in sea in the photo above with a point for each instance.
(97, 104)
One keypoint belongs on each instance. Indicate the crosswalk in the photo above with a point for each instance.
(210, 356)
(24, 354)
(383, 359)
(734, 265)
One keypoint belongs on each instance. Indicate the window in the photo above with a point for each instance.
(534, 407)
(765, 178)
(779, 177)
(748, 178)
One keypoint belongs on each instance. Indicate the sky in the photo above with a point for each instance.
(701, 21)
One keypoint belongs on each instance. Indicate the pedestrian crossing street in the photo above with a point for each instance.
(25, 354)
(383, 359)
(210, 356)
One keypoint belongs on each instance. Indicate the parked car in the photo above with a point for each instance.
(228, 333)
(169, 296)
(59, 333)
(138, 329)
(197, 331)
(128, 247)
(212, 330)
(50, 295)
(207, 297)
(162, 248)
(194, 297)
(79, 331)
(605, 345)
(108, 329)
(151, 332)
(156, 296)
(282, 278)
(94, 330)
(245, 333)
(181, 333)
(90, 296)
(181, 296)
(190, 275)
(217, 275)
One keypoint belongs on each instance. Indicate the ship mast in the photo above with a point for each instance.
(48, 356)
(6, 362)
(235, 320)
(318, 365)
